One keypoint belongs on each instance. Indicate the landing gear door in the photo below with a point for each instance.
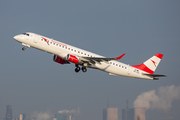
(35, 38)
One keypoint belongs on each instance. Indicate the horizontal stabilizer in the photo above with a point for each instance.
(155, 76)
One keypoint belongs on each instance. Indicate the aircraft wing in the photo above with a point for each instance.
(94, 60)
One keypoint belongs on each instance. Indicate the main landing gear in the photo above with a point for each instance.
(84, 69)
(78, 68)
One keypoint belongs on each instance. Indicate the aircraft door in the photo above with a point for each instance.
(35, 38)
(129, 69)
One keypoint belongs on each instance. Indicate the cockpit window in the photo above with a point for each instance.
(25, 34)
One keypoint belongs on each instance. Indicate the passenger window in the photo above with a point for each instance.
(56, 44)
(122, 66)
(81, 52)
(50, 42)
(119, 65)
(71, 49)
(68, 48)
(62, 46)
(116, 64)
(125, 67)
(78, 52)
(113, 63)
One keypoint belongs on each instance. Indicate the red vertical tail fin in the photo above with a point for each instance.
(151, 64)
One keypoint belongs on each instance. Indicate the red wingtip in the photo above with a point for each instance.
(118, 58)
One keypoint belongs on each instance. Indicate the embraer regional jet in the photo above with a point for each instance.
(65, 54)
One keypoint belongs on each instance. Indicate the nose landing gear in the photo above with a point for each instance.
(24, 48)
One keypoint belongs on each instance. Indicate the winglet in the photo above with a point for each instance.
(118, 58)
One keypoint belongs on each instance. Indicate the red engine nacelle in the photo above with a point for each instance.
(58, 59)
(73, 59)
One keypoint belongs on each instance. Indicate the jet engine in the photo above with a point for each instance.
(59, 60)
(73, 59)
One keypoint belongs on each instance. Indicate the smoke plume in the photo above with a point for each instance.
(158, 99)
(73, 111)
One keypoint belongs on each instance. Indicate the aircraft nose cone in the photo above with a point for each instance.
(16, 37)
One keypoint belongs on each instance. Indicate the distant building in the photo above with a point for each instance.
(61, 117)
(128, 114)
(20, 117)
(24, 116)
(8, 112)
(104, 114)
(137, 113)
(110, 114)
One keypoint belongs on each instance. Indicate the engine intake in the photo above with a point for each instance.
(73, 59)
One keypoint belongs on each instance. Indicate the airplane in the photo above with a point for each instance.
(66, 54)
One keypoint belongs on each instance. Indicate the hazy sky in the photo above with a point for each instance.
(30, 81)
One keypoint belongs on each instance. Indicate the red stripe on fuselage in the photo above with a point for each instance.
(144, 68)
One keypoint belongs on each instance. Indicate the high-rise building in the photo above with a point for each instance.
(137, 113)
(128, 114)
(104, 114)
(24, 116)
(8, 112)
(110, 114)
(61, 117)
(20, 117)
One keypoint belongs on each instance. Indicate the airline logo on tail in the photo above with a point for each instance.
(154, 63)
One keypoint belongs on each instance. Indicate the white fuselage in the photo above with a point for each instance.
(113, 67)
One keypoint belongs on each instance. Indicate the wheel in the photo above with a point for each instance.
(77, 69)
(84, 69)
(23, 48)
